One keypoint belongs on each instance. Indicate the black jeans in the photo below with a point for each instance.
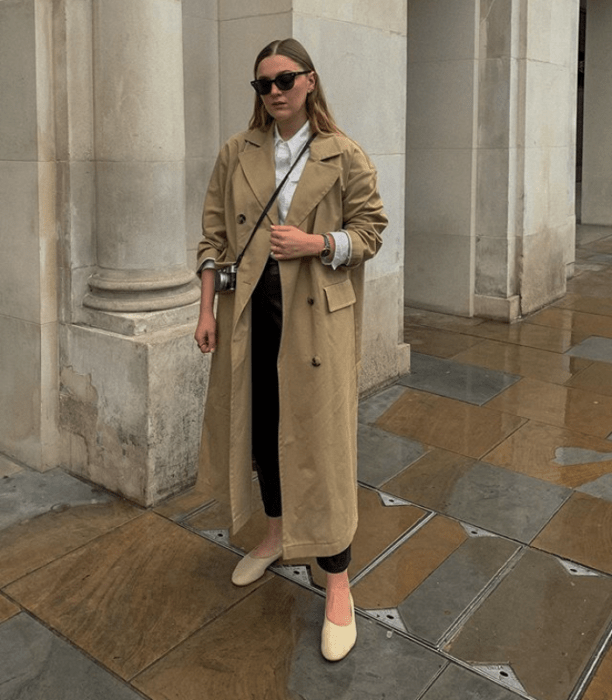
(267, 324)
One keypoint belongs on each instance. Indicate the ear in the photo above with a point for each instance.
(311, 81)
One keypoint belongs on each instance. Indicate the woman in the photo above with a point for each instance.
(283, 383)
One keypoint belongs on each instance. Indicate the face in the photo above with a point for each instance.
(288, 108)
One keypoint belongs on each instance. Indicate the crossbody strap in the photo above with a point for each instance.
(273, 197)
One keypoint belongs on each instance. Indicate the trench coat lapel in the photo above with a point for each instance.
(259, 169)
(320, 173)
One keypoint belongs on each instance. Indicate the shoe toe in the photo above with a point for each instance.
(338, 640)
(250, 568)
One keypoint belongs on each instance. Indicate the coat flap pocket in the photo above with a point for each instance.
(340, 295)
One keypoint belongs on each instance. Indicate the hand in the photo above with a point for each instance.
(206, 333)
(289, 242)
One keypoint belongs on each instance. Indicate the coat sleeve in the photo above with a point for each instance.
(362, 208)
(214, 241)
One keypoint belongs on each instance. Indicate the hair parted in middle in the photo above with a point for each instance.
(319, 114)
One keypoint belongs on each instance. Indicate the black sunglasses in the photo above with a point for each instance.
(283, 81)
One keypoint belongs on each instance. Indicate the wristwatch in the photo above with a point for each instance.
(326, 252)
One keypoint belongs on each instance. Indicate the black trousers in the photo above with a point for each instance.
(267, 324)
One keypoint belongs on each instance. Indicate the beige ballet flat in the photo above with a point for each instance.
(338, 640)
(251, 568)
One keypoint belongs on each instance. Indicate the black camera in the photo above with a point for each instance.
(225, 279)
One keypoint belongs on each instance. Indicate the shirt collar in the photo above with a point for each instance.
(296, 142)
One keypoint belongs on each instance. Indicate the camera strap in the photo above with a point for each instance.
(273, 197)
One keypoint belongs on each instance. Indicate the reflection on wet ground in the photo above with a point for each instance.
(482, 564)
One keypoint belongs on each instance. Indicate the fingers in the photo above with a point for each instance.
(286, 242)
(207, 342)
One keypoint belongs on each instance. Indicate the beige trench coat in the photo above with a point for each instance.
(320, 346)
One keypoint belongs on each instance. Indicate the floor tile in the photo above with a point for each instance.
(8, 467)
(589, 304)
(372, 408)
(7, 608)
(599, 687)
(553, 454)
(498, 500)
(29, 545)
(133, 594)
(581, 531)
(597, 378)
(409, 565)
(381, 455)
(526, 362)
(379, 527)
(587, 234)
(593, 348)
(591, 284)
(457, 683)
(434, 319)
(604, 258)
(436, 342)
(27, 494)
(268, 646)
(603, 245)
(456, 380)
(452, 425)
(436, 460)
(436, 605)
(181, 506)
(37, 665)
(579, 323)
(552, 339)
(575, 409)
(542, 621)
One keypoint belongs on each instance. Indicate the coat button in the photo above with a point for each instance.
(241, 218)
(316, 361)
(310, 301)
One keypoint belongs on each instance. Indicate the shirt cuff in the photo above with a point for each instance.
(208, 264)
(342, 254)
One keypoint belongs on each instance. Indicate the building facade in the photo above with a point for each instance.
(113, 112)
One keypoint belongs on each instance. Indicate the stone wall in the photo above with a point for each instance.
(490, 222)
(115, 111)
(597, 154)
(28, 266)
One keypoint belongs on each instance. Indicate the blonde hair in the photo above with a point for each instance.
(319, 114)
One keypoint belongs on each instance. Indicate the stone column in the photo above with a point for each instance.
(597, 149)
(139, 150)
(132, 378)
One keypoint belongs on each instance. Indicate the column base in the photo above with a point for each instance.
(506, 309)
(131, 410)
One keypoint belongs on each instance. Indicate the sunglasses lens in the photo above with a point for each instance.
(285, 81)
(262, 86)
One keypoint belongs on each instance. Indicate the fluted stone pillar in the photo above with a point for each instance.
(139, 150)
(132, 378)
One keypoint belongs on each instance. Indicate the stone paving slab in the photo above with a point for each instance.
(444, 596)
(27, 494)
(37, 665)
(465, 382)
(133, 594)
(253, 652)
(372, 408)
(544, 621)
(593, 348)
(457, 683)
(495, 499)
(382, 455)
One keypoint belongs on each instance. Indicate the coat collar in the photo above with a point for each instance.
(320, 173)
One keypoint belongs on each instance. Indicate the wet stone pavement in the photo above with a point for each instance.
(482, 564)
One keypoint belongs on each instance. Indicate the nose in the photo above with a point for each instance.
(275, 91)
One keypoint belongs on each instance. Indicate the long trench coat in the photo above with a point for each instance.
(320, 346)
